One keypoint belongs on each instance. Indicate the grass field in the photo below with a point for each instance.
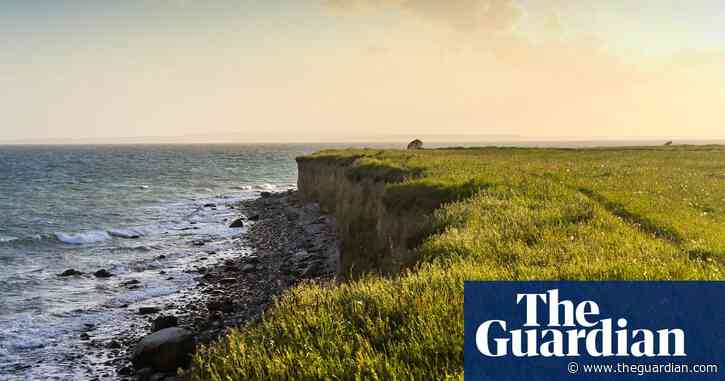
(508, 214)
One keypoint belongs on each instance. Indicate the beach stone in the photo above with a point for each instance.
(102, 273)
(238, 223)
(70, 272)
(144, 374)
(265, 194)
(163, 322)
(165, 350)
(148, 310)
(131, 282)
(291, 213)
(248, 268)
(314, 229)
(125, 371)
(312, 270)
(304, 256)
(223, 305)
(210, 205)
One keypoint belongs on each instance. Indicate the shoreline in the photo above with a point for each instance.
(287, 242)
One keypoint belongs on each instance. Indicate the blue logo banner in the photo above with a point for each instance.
(565, 330)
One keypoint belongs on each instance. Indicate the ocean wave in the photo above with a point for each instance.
(84, 237)
(7, 238)
(126, 233)
(26, 342)
(13, 241)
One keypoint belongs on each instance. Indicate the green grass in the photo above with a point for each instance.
(509, 214)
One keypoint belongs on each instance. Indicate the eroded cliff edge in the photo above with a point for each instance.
(376, 234)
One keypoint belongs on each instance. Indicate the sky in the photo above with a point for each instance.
(337, 70)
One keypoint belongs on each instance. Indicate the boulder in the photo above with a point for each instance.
(238, 223)
(415, 144)
(165, 350)
(163, 322)
(70, 272)
(254, 218)
(102, 273)
(265, 194)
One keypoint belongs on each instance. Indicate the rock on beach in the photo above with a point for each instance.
(165, 350)
(70, 272)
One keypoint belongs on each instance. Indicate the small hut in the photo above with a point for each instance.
(415, 144)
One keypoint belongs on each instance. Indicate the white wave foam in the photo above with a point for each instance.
(4, 238)
(267, 187)
(27, 343)
(126, 233)
(244, 187)
(81, 238)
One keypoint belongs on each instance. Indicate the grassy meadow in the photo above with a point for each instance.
(644, 213)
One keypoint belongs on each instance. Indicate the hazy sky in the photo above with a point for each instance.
(311, 70)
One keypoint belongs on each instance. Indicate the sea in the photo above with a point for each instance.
(131, 210)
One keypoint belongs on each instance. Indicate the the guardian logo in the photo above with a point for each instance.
(572, 330)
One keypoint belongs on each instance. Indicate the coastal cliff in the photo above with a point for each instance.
(453, 215)
(374, 236)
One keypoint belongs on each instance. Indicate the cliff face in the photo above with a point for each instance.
(373, 238)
